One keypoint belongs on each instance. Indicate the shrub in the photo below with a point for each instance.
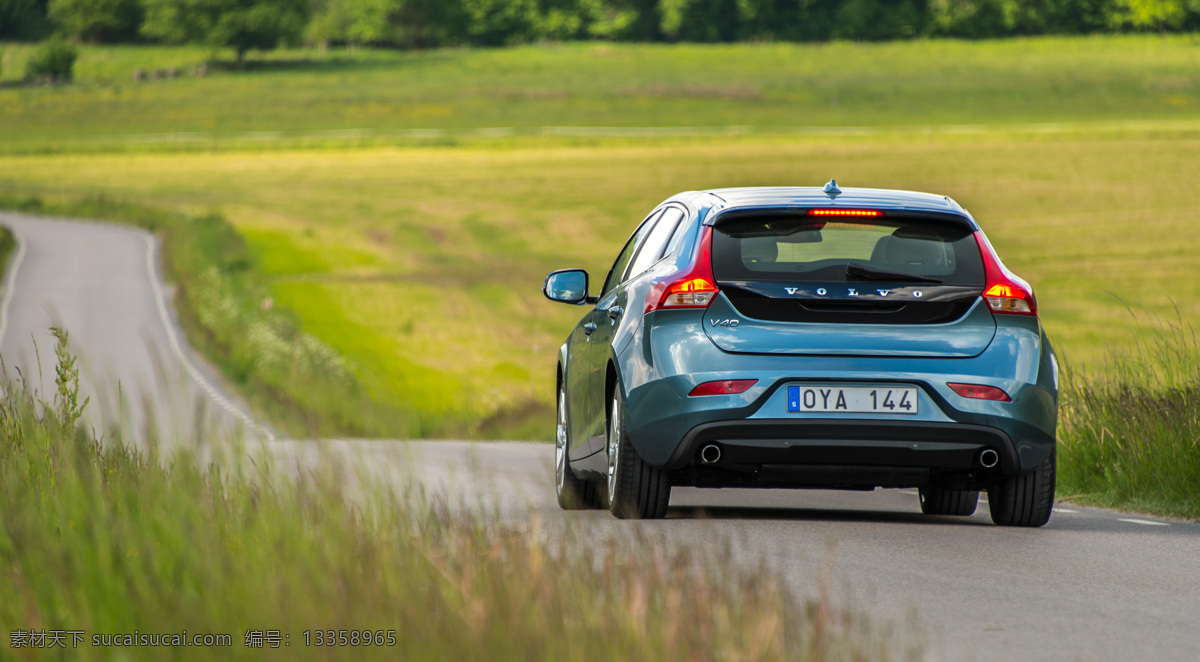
(54, 59)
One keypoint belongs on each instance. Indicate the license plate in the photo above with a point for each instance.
(853, 399)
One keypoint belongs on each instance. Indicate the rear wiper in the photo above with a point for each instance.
(856, 270)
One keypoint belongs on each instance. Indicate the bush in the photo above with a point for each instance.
(54, 59)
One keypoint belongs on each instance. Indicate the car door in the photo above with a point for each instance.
(597, 328)
(578, 374)
(612, 312)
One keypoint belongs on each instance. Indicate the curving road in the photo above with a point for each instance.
(1091, 585)
(101, 283)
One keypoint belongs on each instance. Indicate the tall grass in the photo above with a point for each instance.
(1129, 429)
(98, 538)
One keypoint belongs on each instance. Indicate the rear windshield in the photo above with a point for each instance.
(802, 249)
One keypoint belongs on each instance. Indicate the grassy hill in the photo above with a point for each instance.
(298, 97)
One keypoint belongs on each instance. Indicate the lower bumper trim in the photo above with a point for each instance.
(940, 447)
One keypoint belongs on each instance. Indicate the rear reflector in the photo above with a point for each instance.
(726, 387)
(845, 212)
(980, 392)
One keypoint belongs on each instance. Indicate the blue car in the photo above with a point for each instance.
(807, 338)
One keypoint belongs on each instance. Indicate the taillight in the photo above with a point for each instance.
(980, 392)
(724, 387)
(692, 287)
(1004, 292)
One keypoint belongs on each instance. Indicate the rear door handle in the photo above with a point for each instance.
(614, 312)
(588, 328)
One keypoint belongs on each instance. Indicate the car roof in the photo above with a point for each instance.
(727, 199)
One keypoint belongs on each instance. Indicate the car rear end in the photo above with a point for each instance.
(870, 339)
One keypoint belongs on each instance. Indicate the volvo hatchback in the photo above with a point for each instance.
(807, 338)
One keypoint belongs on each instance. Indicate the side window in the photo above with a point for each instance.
(622, 263)
(679, 232)
(652, 249)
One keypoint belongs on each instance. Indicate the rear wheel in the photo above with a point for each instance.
(636, 490)
(574, 493)
(936, 500)
(1025, 500)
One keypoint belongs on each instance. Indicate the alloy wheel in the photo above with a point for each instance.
(614, 447)
(560, 443)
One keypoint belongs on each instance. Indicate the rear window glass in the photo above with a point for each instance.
(803, 249)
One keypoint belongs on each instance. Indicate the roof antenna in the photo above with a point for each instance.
(832, 190)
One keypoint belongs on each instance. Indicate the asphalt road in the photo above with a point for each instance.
(1091, 585)
(101, 284)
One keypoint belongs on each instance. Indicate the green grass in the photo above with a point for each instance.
(8, 244)
(1130, 428)
(100, 539)
(422, 267)
(294, 97)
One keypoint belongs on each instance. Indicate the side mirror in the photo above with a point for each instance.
(567, 286)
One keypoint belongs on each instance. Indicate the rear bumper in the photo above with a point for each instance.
(667, 426)
(841, 453)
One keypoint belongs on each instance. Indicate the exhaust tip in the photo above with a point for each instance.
(710, 454)
(988, 458)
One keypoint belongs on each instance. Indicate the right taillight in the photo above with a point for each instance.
(1004, 292)
(691, 287)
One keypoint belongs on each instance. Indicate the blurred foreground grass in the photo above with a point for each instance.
(98, 538)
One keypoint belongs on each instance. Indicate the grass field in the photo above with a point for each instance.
(297, 97)
(423, 266)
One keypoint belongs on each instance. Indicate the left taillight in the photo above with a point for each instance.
(692, 286)
(1004, 292)
(723, 387)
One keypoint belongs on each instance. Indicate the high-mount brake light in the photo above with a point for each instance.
(1004, 291)
(845, 212)
(692, 287)
(723, 387)
(980, 392)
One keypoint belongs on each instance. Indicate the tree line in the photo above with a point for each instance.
(262, 24)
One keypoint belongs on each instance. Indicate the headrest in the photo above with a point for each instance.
(760, 250)
(898, 252)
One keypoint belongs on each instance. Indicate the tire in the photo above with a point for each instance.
(636, 490)
(937, 500)
(1025, 500)
(574, 493)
